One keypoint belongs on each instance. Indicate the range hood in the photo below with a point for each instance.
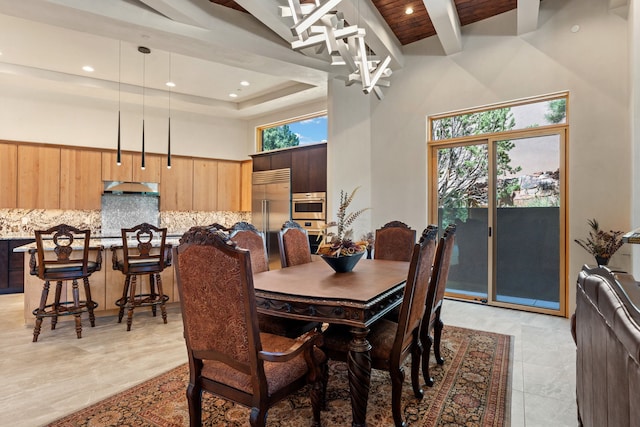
(121, 187)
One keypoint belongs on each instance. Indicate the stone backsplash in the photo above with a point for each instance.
(21, 223)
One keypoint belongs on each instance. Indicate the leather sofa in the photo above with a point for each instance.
(606, 328)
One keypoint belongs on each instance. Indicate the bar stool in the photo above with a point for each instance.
(140, 259)
(67, 242)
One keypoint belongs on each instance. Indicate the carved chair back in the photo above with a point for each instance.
(294, 245)
(142, 257)
(70, 254)
(394, 242)
(248, 237)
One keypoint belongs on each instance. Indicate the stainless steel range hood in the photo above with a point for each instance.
(120, 187)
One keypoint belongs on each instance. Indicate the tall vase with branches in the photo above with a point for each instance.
(340, 243)
(601, 244)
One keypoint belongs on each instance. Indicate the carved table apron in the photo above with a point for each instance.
(313, 291)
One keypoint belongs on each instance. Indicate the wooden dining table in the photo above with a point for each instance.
(359, 298)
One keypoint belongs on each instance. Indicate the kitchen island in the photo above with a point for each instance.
(106, 284)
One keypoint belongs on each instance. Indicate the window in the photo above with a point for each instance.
(292, 133)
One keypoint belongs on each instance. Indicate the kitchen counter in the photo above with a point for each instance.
(99, 243)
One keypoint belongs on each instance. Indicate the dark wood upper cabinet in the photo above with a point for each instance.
(308, 166)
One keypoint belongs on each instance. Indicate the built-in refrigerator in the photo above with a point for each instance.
(271, 206)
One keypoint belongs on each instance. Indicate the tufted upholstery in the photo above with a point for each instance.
(394, 242)
(228, 356)
(392, 343)
(607, 334)
(294, 245)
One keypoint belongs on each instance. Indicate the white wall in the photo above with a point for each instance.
(494, 66)
(34, 109)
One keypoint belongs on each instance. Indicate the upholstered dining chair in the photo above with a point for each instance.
(69, 261)
(247, 236)
(138, 260)
(432, 321)
(392, 343)
(394, 242)
(228, 355)
(293, 241)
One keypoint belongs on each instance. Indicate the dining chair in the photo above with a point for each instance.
(247, 236)
(432, 321)
(394, 242)
(293, 241)
(393, 342)
(69, 261)
(228, 355)
(142, 258)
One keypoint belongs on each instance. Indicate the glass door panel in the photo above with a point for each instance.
(528, 220)
(463, 200)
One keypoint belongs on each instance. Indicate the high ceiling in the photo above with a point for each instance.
(208, 46)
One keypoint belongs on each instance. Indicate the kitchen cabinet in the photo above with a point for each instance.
(228, 186)
(80, 185)
(272, 160)
(12, 266)
(205, 185)
(176, 185)
(110, 169)
(309, 169)
(38, 177)
(151, 171)
(8, 175)
(246, 168)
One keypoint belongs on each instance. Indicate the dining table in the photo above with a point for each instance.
(359, 298)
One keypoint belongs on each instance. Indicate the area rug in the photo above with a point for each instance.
(472, 388)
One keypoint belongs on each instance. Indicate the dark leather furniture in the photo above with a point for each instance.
(606, 328)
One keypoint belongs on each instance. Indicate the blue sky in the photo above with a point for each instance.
(311, 130)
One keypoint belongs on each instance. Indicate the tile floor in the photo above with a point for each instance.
(59, 374)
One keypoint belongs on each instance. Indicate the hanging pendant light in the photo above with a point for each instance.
(119, 152)
(145, 51)
(170, 84)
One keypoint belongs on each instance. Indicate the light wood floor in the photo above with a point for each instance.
(60, 374)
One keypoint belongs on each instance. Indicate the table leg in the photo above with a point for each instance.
(359, 364)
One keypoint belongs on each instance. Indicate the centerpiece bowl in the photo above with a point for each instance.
(343, 264)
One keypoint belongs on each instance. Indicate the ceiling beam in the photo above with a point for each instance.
(185, 11)
(267, 12)
(528, 11)
(446, 22)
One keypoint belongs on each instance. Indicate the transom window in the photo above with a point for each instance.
(305, 130)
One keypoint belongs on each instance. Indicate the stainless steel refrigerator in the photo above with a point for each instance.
(271, 205)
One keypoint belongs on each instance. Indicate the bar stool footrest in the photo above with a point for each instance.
(143, 300)
(65, 308)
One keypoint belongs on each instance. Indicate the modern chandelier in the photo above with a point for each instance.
(319, 24)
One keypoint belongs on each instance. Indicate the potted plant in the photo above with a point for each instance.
(601, 244)
(339, 244)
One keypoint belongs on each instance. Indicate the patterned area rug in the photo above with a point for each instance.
(472, 388)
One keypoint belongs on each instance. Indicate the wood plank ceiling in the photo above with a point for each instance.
(418, 25)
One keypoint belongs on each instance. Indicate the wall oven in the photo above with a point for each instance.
(308, 206)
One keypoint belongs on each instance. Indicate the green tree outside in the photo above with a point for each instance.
(279, 137)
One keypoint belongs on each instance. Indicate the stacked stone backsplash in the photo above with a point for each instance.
(19, 223)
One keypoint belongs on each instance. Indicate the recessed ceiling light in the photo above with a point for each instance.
(88, 68)
(233, 95)
(408, 10)
(170, 84)
(244, 83)
(575, 28)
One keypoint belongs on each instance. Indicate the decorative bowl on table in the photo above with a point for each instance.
(344, 263)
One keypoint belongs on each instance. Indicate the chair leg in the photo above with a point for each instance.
(160, 294)
(397, 378)
(194, 400)
(40, 311)
(152, 293)
(76, 307)
(56, 305)
(131, 302)
(258, 417)
(416, 353)
(125, 295)
(437, 335)
(90, 302)
(427, 343)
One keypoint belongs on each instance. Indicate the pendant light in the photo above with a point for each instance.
(144, 51)
(119, 152)
(170, 84)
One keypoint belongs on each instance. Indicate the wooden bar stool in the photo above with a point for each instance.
(148, 254)
(66, 242)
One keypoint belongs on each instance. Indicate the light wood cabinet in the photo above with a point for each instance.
(112, 172)
(228, 186)
(151, 172)
(80, 185)
(8, 175)
(176, 185)
(38, 177)
(205, 185)
(246, 171)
